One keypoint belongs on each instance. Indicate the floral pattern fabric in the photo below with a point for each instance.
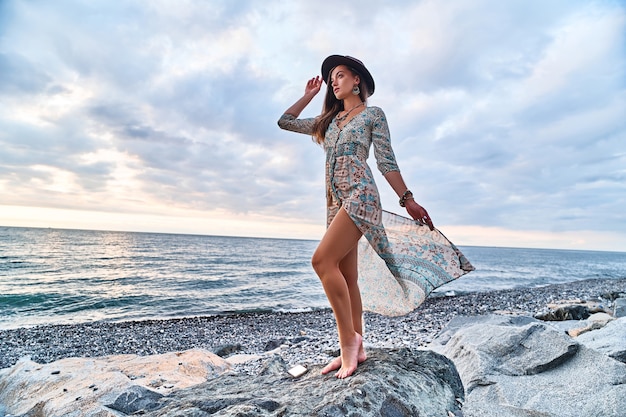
(413, 262)
(400, 260)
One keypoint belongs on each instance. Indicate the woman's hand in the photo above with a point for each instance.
(418, 213)
(313, 86)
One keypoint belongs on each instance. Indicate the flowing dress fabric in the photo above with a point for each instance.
(414, 260)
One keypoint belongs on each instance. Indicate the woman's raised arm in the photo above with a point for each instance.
(312, 88)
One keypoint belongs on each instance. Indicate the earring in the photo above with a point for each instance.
(356, 90)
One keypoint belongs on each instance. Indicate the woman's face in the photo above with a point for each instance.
(342, 81)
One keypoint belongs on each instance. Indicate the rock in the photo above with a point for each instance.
(274, 366)
(460, 322)
(519, 366)
(273, 344)
(565, 312)
(602, 318)
(573, 310)
(610, 340)
(509, 345)
(242, 358)
(575, 328)
(227, 350)
(584, 327)
(136, 398)
(613, 295)
(392, 383)
(619, 308)
(31, 389)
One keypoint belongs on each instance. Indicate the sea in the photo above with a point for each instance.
(55, 276)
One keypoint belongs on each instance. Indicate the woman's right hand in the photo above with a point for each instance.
(313, 86)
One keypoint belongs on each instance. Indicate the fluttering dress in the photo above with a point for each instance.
(401, 261)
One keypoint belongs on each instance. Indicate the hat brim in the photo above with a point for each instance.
(335, 60)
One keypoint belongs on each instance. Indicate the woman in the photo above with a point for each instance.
(347, 128)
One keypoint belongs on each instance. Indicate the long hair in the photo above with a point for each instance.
(332, 106)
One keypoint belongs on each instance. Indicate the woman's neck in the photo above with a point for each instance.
(350, 102)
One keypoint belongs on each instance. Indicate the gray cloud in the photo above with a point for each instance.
(19, 76)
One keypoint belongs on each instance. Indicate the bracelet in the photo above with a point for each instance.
(408, 195)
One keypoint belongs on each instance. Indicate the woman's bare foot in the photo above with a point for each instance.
(348, 355)
(336, 363)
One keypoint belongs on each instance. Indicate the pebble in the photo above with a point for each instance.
(307, 338)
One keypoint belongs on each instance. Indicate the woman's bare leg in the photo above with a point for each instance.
(340, 239)
(349, 268)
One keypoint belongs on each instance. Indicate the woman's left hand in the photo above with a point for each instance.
(419, 213)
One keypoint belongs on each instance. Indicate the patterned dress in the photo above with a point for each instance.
(401, 260)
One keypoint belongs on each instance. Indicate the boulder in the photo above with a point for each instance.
(519, 366)
(392, 383)
(509, 345)
(95, 386)
(610, 339)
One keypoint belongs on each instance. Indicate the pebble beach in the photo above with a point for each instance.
(307, 338)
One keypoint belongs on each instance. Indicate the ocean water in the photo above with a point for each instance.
(51, 276)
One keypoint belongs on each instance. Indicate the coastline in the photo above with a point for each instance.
(303, 338)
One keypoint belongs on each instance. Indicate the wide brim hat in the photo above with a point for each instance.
(353, 63)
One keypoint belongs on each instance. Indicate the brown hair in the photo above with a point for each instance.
(332, 106)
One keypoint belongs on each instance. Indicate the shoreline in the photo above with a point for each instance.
(303, 337)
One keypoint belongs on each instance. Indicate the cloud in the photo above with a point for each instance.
(506, 115)
(19, 76)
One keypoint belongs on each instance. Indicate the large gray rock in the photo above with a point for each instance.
(394, 383)
(610, 340)
(509, 345)
(520, 367)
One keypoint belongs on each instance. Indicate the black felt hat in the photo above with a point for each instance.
(335, 60)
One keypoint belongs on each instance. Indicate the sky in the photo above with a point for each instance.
(507, 118)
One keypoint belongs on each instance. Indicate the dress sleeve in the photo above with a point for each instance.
(385, 158)
(289, 122)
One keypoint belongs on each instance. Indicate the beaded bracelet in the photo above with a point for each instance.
(408, 195)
